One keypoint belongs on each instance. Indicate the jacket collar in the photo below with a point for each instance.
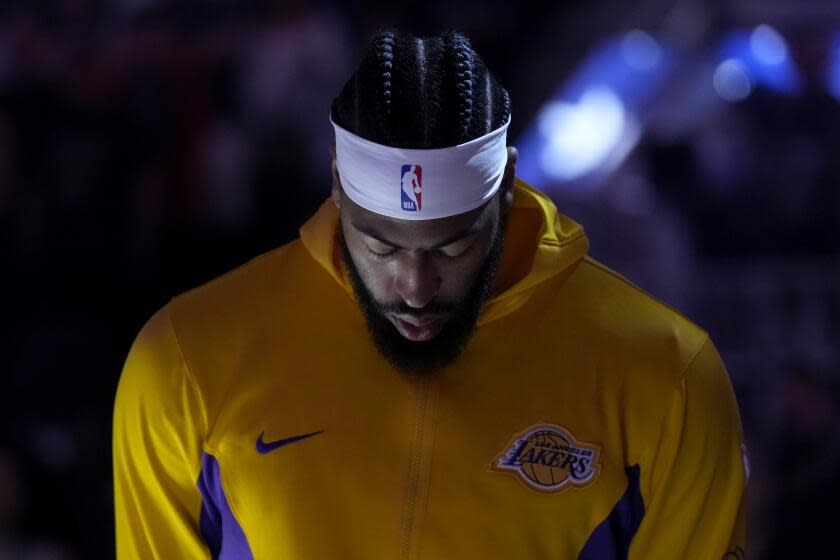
(540, 244)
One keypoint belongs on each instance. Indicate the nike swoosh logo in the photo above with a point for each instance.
(267, 447)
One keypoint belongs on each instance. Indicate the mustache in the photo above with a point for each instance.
(402, 308)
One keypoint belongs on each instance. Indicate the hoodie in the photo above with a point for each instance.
(584, 419)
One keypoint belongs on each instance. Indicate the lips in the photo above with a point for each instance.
(418, 329)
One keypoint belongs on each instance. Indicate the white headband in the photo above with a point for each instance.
(413, 184)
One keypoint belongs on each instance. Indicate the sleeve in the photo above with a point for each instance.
(158, 430)
(694, 483)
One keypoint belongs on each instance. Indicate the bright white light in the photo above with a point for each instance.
(767, 46)
(640, 50)
(731, 80)
(582, 136)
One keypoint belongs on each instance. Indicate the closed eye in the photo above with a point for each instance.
(380, 250)
(378, 255)
(455, 252)
(458, 248)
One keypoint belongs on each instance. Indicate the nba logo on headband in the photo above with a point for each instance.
(411, 188)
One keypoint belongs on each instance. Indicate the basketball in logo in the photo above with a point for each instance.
(547, 458)
(545, 474)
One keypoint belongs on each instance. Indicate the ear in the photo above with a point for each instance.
(508, 181)
(336, 181)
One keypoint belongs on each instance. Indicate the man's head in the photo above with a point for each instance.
(421, 283)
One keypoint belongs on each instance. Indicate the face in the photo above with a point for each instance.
(421, 284)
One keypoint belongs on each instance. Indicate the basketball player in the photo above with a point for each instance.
(411, 187)
(432, 377)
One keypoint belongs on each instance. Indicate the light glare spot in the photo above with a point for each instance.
(768, 46)
(581, 136)
(640, 50)
(731, 81)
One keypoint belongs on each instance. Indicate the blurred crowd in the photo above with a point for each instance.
(143, 148)
(148, 145)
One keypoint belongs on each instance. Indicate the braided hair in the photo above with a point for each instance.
(410, 92)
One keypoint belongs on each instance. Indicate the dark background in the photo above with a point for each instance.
(149, 145)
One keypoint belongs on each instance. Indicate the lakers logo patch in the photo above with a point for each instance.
(547, 458)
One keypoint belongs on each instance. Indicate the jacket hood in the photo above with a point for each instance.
(540, 244)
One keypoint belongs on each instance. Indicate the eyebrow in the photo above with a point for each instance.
(448, 241)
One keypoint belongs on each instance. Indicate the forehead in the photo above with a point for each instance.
(415, 233)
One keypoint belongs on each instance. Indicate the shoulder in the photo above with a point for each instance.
(157, 396)
(202, 326)
(259, 276)
(248, 298)
(636, 329)
(166, 366)
(648, 360)
(226, 328)
(154, 363)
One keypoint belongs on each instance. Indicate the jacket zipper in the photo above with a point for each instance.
(414, 500)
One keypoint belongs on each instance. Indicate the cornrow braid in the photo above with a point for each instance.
(421, 93)
(463, 57)
(385, 55)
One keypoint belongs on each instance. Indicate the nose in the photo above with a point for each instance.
(417, 280)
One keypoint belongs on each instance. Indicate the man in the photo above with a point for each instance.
(444, 375)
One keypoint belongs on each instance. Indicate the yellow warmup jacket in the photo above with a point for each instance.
(585, 419)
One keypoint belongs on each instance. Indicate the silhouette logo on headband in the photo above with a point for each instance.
(411, 188)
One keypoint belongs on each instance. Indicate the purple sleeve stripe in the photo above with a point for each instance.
(219, 528)
(611, 539)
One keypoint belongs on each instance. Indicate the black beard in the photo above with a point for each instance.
(425, 357)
